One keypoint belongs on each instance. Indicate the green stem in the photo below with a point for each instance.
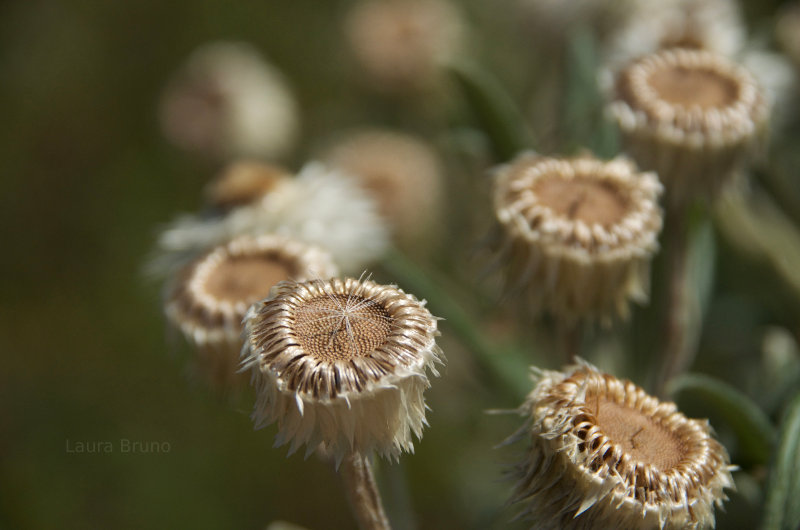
(676, 355)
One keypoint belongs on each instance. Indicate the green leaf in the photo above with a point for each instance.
(584, 106)
(495, 110)
(783, 495)
(753, 429)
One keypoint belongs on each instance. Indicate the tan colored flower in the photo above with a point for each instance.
(342, 365)
(401, 43)
(211, 295)
(604, 454)
(244, 182)
(579, 233)
(228, 102)
(692, 116)
(402, 173)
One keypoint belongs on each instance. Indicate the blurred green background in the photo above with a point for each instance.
(87, 181)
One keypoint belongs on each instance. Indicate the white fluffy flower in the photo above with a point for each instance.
(320, 206)
(713, 25)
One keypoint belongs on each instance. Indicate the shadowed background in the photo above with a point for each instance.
(87, 180)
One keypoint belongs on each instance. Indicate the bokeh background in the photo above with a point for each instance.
(87, 182)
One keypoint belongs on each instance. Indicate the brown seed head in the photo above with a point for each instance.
(690, 115)
(627, 459)
(580, 232)
(342, 365)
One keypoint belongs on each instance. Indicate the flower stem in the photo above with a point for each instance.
(363, 494)
(676, 355)
(570, 335)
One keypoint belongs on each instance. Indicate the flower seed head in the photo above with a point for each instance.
(400, 44)
(604, 454)
(210, 297)
(341, 365)
(690, 115)
(402, 173)
(227, 102)
(579, 233)
(244, 182)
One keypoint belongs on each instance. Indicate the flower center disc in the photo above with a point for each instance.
(689, 87)
(581, 198)
(341, 327)
(245, 278)
(638, 435)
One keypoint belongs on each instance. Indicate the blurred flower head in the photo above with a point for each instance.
(578, 233)
(713, 25)
(209, 298)
(320, 206)
(228, 102)
(244, 182)
(402, 173)
(400, 44)
(604, 454)
(341, 365)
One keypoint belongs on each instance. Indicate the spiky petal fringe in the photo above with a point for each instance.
(362, 401)
(574, 476)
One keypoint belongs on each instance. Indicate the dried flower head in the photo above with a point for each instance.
(401, 43)
(402, 173)
(211, 295)
(604, 454)
(341, 365)
(579, 233)
(227, 102)
(692, 116)
(244, 182)
(320, 206)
